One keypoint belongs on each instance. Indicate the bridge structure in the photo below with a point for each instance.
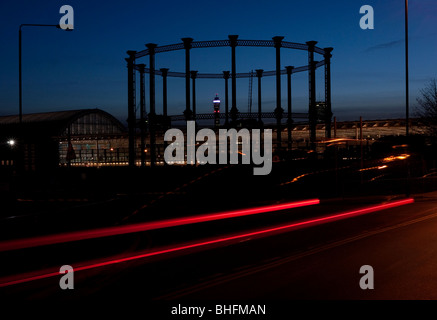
(231, 115)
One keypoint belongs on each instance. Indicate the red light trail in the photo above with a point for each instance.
(112, 231)
(12, 280)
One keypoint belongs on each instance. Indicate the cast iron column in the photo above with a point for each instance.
(152, 114)
(141, 69)
(194, 76)
(278, 111)
(164, 73)
(167, 123)
(187, 46)
(226, 75)
(289, 108)
(131, 105)
(259, 74)
(312, 94)
(234, 110)
(328, 111)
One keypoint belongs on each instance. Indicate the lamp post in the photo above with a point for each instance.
(20, 112)
(407, 100)
(407, 94)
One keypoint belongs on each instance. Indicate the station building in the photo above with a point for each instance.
(51, 139)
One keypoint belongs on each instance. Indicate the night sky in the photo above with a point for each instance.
(86, 68)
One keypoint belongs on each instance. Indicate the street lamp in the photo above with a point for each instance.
(407, 94)
(19, 60)
(407, 100)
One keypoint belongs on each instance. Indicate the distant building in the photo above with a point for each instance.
(47, 140)
(372, 129)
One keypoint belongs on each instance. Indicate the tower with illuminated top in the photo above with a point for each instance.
(216, 103)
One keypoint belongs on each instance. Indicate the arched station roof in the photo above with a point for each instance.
(50, 124)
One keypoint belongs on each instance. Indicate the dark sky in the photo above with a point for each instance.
(86, 68)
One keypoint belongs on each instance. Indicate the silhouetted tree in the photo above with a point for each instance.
(427, 107)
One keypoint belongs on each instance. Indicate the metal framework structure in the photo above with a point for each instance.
(243, 115)
(231, 116)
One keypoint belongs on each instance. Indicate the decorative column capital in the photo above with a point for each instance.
(259, 72)
(131, 54)
(278, 41)
(151, 47)
(311, 45)
(328, 54)
(187, 42)
(141, 68)
(233, 40)
(164, 71)
(289, 69)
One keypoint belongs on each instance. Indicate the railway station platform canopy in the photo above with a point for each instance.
(83, 122)
(44, 139)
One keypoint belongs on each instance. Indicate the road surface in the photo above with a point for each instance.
(316, 263)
